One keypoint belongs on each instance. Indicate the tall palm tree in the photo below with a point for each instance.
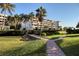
(24, 18)
(10, 20)
(7, 7)
(18, 20)
(41, 13)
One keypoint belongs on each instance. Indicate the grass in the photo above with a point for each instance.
(70, 46)
(12, 46)
(54, 36)
(60, 35)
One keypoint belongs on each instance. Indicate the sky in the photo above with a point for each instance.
(67, 14)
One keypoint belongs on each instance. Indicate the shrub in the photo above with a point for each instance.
(10, 33)
(18, 26)
(43, 34)
(12, 27)
(14, 33)
(72, 31)
(51, 32)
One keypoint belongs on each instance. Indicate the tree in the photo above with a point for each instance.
(24, 17)
(65, 28)
(16, 20)
(7, 7)
(41, 13)
(9, 20)
(77, 25)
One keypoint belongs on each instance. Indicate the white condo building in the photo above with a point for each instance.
(2, 21)
(34, 23)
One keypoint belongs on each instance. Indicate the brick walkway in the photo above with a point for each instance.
(52, 48)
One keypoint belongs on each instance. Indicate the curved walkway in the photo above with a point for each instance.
(52, 48)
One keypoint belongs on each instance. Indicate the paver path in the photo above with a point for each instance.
(52, 48)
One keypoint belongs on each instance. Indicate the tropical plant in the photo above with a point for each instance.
(77, 25)
(7, 7)
(24, 17)
(9, 19)
(41, 13)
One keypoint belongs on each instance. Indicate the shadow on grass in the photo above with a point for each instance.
(72, 50)
(24, 51)
(28, 38)
(59, 41)
(54, 38)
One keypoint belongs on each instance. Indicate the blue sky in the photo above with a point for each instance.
(67, 14)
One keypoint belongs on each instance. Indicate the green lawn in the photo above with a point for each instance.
(12, 46)
(70, 46)
(60, 35)
(54, 36)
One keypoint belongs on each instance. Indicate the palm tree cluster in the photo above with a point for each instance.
(16, 19)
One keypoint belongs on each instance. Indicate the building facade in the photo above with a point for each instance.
(44, 25)
(50, 25)
(2, 21)
(35, 23)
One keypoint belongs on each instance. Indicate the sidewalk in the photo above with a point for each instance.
(52, 48)
(36, 36)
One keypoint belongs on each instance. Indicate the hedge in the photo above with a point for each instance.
(74, 31)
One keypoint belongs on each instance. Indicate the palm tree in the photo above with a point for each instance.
(24, 17)
(9, 19)
(41, 13)
(77, 25)
(7, 7)
(16, 20)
